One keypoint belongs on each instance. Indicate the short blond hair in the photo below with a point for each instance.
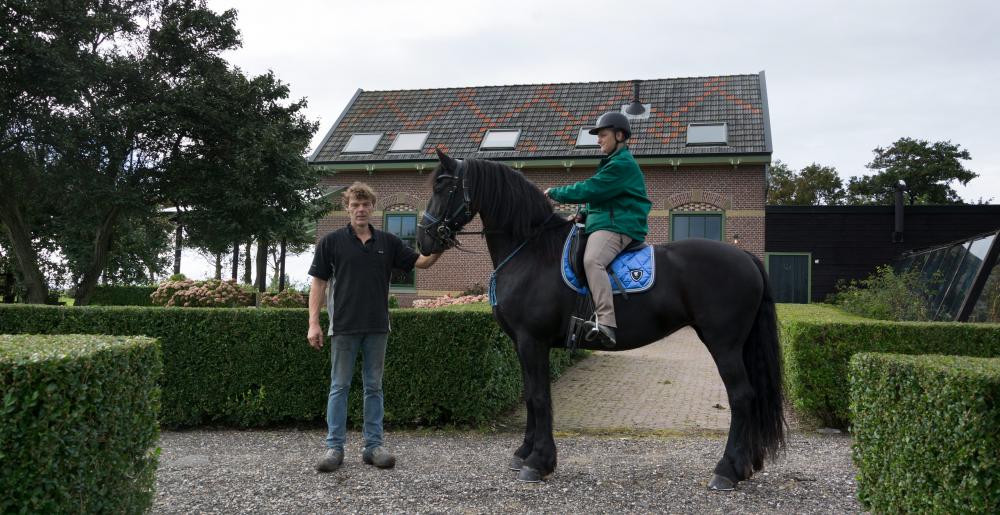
(359, 191)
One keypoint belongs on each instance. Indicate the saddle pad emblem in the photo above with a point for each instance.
(634, 270)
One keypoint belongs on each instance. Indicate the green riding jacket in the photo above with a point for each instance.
(615, 196)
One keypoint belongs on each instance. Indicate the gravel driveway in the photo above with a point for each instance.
(271, 471)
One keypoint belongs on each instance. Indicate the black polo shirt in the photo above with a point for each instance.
(358, 300)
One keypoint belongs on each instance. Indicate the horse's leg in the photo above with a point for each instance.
(527, 445)
(727, 350)
(541, 458)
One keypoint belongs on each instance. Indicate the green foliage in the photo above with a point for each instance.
(885, 295)
(814, 185)
(393, 302)
(926, 436)
(816, 353)
(122, 296)
(253, 367)
(78, 423)
(927, 169)
(202, 294)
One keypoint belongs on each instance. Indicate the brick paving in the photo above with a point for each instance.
(670, 385)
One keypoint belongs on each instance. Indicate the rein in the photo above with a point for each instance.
(494, 301)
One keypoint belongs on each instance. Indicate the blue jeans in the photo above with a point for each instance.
(344, 351)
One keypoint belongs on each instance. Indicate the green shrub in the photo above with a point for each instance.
(816, 352)
(885, 295)
(122, 296)
(78, 423)
(252, 367)
(926, 436)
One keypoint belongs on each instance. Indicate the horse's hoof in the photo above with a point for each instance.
(721, 483)
(529, 475)
(516, 463)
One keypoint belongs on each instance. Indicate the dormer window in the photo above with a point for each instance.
(585, 139)
(362, 142)
(409, 141)
(707, 134)
(505, 139)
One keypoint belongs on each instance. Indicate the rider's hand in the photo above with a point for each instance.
(315, 336)
(546, 193)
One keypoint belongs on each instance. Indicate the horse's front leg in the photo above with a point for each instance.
(539, 443)
(528, 444)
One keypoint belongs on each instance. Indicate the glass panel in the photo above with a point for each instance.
(409, 142)
(697, 229)
(586, 139)
(707, 134)
(500, 140)
(713, 228)
(361, 143)
(952, 257)
(680, 228)
(967, 270)
(403, 225)
(988, 306)
(409, 227)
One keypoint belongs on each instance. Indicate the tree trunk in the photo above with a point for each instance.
(218, 266)
(248, 265)
(281, 265)
(27, 258)
(178, 242)
(261, 282)
(236, 260)
(102, 246)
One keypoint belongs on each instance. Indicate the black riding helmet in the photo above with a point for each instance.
(613, 120)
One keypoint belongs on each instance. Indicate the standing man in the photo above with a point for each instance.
(357, 261)
(617, 212)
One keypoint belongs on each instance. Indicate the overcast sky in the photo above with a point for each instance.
(843, 77)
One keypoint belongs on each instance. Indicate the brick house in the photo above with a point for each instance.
(703, 143)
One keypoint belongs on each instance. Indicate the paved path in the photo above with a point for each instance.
(671, 385)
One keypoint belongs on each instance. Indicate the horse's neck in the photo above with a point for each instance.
(500, 245)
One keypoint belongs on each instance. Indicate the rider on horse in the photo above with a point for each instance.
(616, 212)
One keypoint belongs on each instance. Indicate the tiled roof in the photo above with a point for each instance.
(550, 117)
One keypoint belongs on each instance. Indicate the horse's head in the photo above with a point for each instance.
(449, 208)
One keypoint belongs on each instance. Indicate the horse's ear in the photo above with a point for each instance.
(446, 160)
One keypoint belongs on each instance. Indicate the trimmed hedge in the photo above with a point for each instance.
(122, 296)
(817, 345)
(78, 423)
(926, 436)
(252, 367)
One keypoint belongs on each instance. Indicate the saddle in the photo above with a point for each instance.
(632, 271)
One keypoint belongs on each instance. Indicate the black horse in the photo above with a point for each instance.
(717, 289)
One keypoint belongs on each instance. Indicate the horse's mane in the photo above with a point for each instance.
(507, 199)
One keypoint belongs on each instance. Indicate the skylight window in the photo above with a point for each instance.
(361, 143)
(409, 142)
(585, 139)
(708, 134)
(500, 140)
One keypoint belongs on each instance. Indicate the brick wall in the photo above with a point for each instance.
(738, 192)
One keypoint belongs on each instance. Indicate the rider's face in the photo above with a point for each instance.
(607, 140)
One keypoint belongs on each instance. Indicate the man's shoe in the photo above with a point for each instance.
(379, 457)
(331, 461)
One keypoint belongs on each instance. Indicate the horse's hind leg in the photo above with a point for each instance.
(539, 445)
(735, 465)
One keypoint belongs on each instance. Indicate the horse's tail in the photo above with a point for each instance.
(762, 359)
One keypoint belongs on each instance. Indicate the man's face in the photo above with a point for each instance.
(607, 140)
(360, 211)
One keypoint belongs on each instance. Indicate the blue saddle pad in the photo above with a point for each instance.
(635, 269)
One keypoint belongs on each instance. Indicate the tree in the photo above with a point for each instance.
(814, 185)
(927, 169)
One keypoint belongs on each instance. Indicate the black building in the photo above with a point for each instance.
(809, 248)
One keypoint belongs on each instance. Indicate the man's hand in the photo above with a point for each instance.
(315, 336)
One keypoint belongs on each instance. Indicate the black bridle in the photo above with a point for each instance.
(457, 211)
